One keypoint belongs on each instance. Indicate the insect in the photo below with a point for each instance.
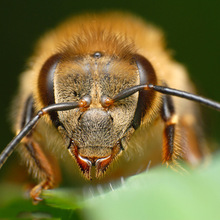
(98, 90)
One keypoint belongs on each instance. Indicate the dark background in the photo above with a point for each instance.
(192, 30)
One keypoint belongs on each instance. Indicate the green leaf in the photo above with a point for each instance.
(160, 193)
(61, 198)
(14, 205)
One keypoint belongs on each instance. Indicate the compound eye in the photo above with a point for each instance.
(106, 101)
(46, 80)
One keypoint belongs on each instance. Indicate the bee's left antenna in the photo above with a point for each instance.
(168, 91)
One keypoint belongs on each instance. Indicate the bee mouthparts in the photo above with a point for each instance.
(101, 164)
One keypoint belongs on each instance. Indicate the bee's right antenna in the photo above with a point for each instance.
(27, 128)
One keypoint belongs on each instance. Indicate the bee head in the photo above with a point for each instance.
(97, 132)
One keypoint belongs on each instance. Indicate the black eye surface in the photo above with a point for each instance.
(46, 80)
(46, 85)
(97, 54)
(145, 100)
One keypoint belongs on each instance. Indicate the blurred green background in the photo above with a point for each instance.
(192, 30)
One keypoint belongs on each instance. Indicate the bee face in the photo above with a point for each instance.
(95, 132)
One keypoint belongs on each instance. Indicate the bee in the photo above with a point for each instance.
(99, 90)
